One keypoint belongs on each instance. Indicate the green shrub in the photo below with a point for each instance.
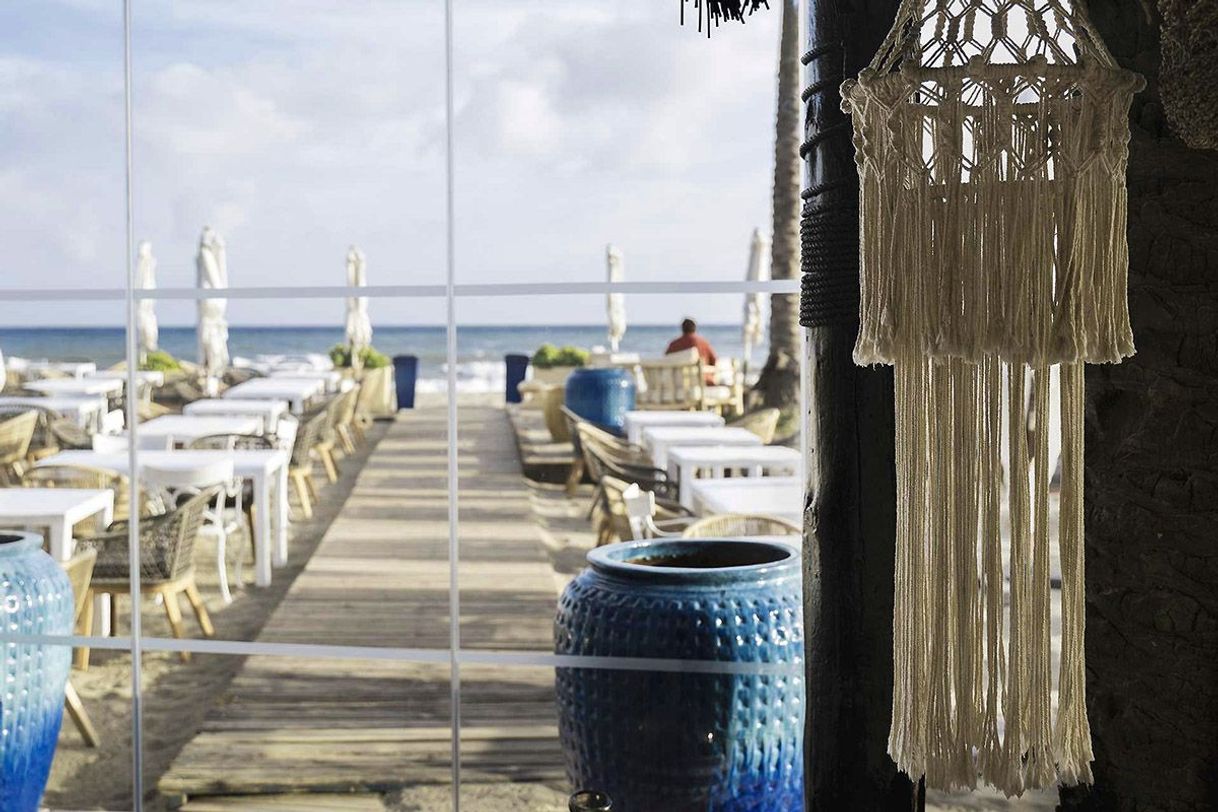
(160, 361)
(340, 355)
(549, 356)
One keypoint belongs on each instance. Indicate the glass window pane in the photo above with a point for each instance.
(62, 196)
(581, 124)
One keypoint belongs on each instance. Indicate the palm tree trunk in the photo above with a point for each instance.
(1151, 491)
(778, 383)
(850, 517)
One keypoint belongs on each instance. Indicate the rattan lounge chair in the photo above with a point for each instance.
(730, 525)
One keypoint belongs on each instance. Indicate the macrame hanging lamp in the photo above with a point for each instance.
(991, 138)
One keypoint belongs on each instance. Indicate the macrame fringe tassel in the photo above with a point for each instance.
(972, 646)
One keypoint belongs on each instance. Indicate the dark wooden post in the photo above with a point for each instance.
(1151, 485)
(850, 517)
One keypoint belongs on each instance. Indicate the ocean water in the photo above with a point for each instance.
(480, 349)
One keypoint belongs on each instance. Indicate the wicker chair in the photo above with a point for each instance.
(605, 454)
(763, 423)
(167, 567)
(730, 525)
(42, 443)
(16, 434)
(345, 422)
(674, 382)
(300, 470)
(80, 572)
(68, 435)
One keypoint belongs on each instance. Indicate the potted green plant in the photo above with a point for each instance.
(552, 365)
(375, 374)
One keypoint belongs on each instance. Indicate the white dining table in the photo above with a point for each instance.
(688, 464)
(149, 377)
(266, 469)
(296, 391)
(329, 377)
(56, 509)
(658, 439)
(77, 387)
(85, 411)
(637, 420)
(267, 411)
(183, 429)
(75, 369)
(778, 496)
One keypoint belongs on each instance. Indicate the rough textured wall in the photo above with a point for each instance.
(1152, 475)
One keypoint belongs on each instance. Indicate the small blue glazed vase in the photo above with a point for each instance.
(680, 740)
(601, 395)
(37, 600)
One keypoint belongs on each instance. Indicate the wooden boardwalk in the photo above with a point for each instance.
(380, 578)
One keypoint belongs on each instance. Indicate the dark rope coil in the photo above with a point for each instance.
(829, 246)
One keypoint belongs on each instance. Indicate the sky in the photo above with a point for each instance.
(298, 127)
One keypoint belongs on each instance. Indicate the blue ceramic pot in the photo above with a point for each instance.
(36, 597)
(601, 395)
(681, 741)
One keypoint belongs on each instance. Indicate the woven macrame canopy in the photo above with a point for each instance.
(991, 140)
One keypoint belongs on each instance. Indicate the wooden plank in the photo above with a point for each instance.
(291, 725)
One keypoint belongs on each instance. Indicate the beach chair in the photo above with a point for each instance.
(42, 443)
(606, 454)
(622, 516)
(167, 567)
(68, 435)
(80, 573)
(16, 434)
(673, 383)
(731, 525)
(300, 469)
(243, 500)
(763, 423)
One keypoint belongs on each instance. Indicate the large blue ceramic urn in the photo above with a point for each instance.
(36, 597)
(682, 737)
(601, 395)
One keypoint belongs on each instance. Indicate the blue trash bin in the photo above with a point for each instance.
(601, 395)
(517, 368)
(405, 372)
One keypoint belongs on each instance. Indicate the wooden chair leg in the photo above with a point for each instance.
(312, 486)
(327, 461)
(577, 473)
(84, 627)
(174, 612)
(80, 717)
(302, 486)
(344, 434)
(196, 603)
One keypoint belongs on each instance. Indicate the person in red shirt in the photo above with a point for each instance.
(690, 338)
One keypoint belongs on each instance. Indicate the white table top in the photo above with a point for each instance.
(149, 376)
(733, 455)
(79, 408)
(246, 463)
(637, 420)
(779, 496)
(29, 505)
(77, 386)
(658, 439)
(294, 390)
(329, 376)
(268, 409)
(185, 427)
(74, 368)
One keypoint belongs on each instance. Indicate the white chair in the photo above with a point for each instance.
(173, 482)
(641, 513)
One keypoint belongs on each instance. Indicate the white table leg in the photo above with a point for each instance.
(60, 541)
(262, 532)
(685, 486)
(281, 511)
(101, 615)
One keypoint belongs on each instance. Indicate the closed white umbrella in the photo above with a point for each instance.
(213, 327)
(754, 302)
(145, 279)
(616, 302)
(359, 325)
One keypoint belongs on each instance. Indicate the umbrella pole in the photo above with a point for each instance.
(850, 515)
